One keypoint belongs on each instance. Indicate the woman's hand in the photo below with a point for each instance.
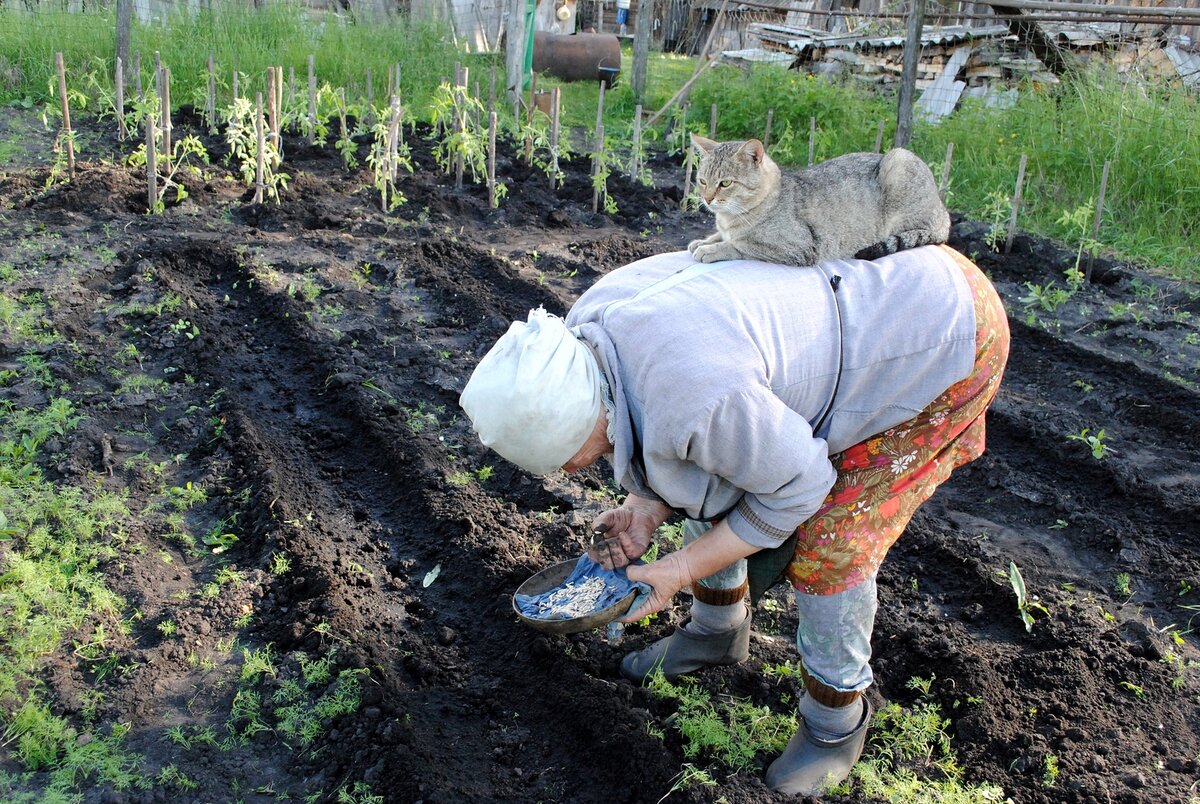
(628, 531)
(666, 577)
(715, 550)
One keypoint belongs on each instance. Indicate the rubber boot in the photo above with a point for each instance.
(683, 652)
(810, 765)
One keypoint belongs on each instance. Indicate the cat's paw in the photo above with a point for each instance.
(695, 244)
(713, 253)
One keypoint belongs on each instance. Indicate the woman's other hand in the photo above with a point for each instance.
(627, 531)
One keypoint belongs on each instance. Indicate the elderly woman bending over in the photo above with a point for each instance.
(794, 416)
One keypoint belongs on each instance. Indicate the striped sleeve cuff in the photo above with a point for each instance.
(752, 528)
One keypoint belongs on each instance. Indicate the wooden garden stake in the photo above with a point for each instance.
(492, 91)
(1096, 219)
(812, 140)
(687, 160)
(66, 113)
(599, 146)
(137, 73)
(291, 86)
(635, 162)
(122, 130)
(262, 144)
(529, 117)
(597, 161)
(210, 111)
(946, 171)
(491, 177)
(1016, 205)
(341, 101)
(460, 121)
(312, 98)
(270, 110)
(879, 137)
(279, 104)
(394, 138)
(555, 132)
(687, 176)
(767, 136)
(600, 107)
(712, 123)
(370, 98)
(164, 81)
(393, 147)
(151, 165)
(277, 114)
(475, 107)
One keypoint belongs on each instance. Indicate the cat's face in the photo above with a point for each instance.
(730, 177)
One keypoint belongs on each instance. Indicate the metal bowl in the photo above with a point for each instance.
(554, 576)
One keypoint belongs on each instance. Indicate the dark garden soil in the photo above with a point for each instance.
(312, 354)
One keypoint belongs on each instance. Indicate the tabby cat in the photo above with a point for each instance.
(857, 205)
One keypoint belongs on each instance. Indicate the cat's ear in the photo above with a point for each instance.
(703, 145)
(754, 149)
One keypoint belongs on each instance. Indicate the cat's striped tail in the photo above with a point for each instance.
(899, 242)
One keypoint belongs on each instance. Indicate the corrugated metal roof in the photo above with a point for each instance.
(758, 54)
(800, 40)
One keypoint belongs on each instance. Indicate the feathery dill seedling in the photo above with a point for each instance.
(732, 731)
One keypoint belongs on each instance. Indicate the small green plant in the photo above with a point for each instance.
(307, 287)
(1122, 585)
(1094, 441)
(183, 152)
(358, 793)
(167, 628)
(483, 473)
(280, 564)
(453, 112)
(460, 478)
(421, 418)
(303, 714)
(730, 731)
(997, 210)
(1048, 297)
(1137, 690)
(922, 685)
(1026, 604)
(689, 776)
(604, 159)
(389, 153)
(1179, 667)
(256, 663)
(186, 328)
(1077, 222)
(1050, 770)
(242, 138)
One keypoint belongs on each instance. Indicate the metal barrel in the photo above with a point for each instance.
(577, 57)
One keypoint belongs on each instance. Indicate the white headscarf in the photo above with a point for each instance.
(535, 396)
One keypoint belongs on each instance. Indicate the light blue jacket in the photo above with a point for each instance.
(735, 381)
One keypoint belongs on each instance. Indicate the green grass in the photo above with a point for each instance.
(1149, 132)
(53, 593)
(238, 36)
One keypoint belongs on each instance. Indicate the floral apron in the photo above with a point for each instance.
(882, 481)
